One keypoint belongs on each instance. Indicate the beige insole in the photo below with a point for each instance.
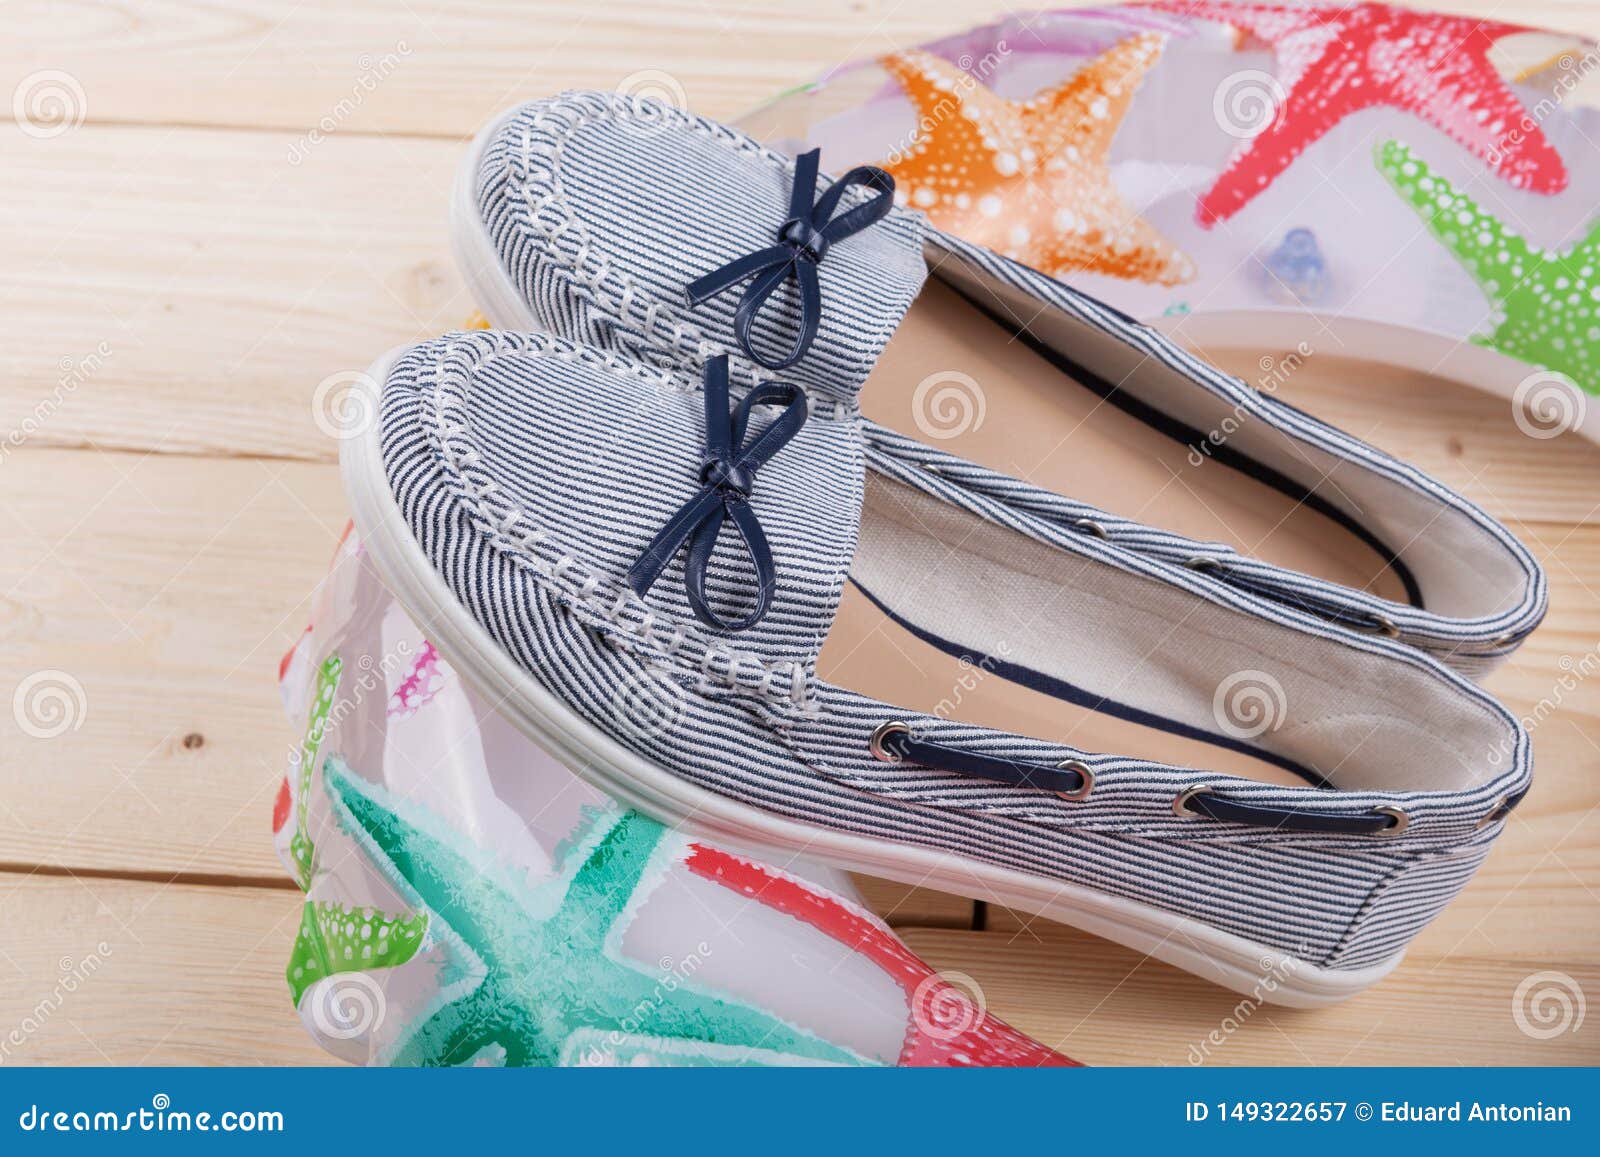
(870, 653)
(1041, 426)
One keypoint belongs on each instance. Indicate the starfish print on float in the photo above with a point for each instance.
(421, 683)
(1340, 59)
(540, 978)
(1032, 179)
(541, 962)
(948, 1028)
(300, 846)
(1547, 303)
(336, 938)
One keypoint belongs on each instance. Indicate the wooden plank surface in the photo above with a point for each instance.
(437, 68)
(1101, 1003)
(129, 972)
(184, 268)
(191, 289)
(162, 589)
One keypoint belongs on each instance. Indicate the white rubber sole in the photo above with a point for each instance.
(1265, 973)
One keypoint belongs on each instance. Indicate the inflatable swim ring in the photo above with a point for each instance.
(1412, 188)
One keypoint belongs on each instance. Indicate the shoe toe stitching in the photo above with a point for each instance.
(517, 532)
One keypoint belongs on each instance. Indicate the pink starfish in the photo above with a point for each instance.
(419, 686)
(1335, 60)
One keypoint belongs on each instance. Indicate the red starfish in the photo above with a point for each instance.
(972, 1038)
(1334, 61)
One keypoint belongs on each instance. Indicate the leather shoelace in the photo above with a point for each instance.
(727, 476)
(803, 241)
(895, 743)
(1219, 807)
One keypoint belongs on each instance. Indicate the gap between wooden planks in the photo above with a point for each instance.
(132, 972)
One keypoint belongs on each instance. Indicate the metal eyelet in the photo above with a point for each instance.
(1494, 815)
(1180, 805)
(1385, 627)
(1084, 772)
(1401, 822)
(1090, 526)
(875, 744)
(1201, 563)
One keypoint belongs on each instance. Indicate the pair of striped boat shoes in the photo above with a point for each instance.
(787, 518)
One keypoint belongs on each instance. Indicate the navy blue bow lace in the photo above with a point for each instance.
(727, 476)
(803, 241)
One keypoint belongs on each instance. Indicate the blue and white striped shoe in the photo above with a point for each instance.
(602, 218)
(647, 573)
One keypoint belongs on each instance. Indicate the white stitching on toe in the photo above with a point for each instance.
(563, 571)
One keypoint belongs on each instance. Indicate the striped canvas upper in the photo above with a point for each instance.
(1483, 593)
(532, 471)
(594, 200)
(568, 457)
(603, 208)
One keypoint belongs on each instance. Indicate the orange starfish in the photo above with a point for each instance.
(1032, 179)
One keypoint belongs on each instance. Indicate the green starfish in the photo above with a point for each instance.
(336, 937)
(300, 846)
(339, 938)
(1547, 303)
(543, 961)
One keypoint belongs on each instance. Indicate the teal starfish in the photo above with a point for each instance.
(1547, 303)
(543, 962)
